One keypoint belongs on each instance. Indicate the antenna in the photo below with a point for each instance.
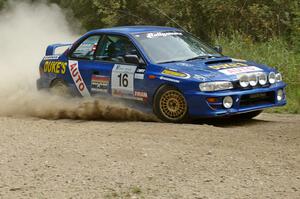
(167, 16)
(128, 13)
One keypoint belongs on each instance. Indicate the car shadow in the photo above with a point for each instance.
(229, 123)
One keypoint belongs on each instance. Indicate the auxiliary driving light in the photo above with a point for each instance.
(244, 81)
(272, 77)
(227, 102)
(253, 80)
(280, 95)
(278, 77)
(262, 79)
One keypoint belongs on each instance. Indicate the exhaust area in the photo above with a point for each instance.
(25, 31)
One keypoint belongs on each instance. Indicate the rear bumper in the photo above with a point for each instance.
(243, 102)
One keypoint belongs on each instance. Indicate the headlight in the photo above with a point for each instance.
(272, 77)
(262, 78)
(278, 77)
(244, 81)
(215, 86)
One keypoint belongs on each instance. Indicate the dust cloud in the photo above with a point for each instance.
(25, 30)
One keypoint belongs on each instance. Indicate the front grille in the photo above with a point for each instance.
(257, 99)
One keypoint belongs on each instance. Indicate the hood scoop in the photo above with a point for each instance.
(219, 61)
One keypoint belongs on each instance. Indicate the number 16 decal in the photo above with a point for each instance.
(122, 80)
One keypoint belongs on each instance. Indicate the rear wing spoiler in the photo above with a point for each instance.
(51, 48)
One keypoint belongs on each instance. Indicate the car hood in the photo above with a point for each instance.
(224, 68)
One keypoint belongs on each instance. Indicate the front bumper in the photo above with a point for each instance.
(199, 107)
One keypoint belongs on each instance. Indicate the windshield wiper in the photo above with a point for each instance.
(172, 61)
(193, 58)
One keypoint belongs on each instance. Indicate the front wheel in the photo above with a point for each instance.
(170, 105)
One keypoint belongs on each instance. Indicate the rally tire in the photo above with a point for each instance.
(59, 88)
(170, 105)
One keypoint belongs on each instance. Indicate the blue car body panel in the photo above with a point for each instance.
(147, 81)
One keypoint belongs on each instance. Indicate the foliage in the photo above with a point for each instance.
(1, 4)
(259, 19)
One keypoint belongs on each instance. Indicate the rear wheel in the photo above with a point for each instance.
(59, 88)
(170, 105)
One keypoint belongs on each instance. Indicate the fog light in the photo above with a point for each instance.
(227, 102)
(280, 95)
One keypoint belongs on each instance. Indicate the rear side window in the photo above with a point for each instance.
(87, 48)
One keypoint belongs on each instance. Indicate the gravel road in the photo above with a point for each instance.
(96, 159)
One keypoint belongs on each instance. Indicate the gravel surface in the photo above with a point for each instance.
(96, 159)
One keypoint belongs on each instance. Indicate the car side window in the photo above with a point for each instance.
(87, 48)
(114, 48)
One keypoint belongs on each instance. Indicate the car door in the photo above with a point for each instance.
(126, 79)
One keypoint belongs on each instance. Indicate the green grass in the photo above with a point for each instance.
(275, 53)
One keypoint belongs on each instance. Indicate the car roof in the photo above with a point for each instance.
(133, 29)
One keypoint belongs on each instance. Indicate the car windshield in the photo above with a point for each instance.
(173, 46)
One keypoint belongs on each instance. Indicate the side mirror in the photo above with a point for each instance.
(133, 59)
(219, 49)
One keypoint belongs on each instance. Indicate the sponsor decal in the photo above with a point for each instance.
(55, 67)
(234, 71)
(140, 94)
(199, 77)
(169, 79)
(51, 57)
(139, 76)
(229, 65)
(175, 74)
(184, 64)
(140, 70)
(139, 73)
(123, 94)
(77, 78)
(100, 83)
(162, 34)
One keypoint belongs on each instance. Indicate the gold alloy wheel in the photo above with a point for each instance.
(173, 105)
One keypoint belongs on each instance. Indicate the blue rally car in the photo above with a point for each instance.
(165, 68)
